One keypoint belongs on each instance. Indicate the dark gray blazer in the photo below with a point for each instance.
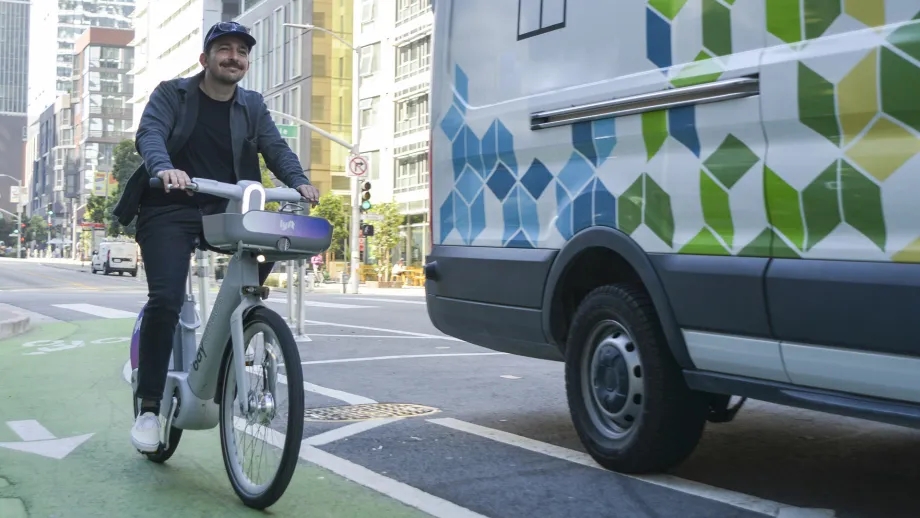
(167, 123)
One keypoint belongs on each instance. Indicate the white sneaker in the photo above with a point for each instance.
(145, 434)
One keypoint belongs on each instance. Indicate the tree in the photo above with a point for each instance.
(268, 181)
(386, 237)
(95, 209)
(332, 208)
(126, 162)
(37, 229)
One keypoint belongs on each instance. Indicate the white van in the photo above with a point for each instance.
(682, 200)
(115, 256)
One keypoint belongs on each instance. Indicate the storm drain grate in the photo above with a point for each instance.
(367, 411)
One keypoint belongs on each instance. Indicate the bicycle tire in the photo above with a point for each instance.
(162, 454)
(294, 433)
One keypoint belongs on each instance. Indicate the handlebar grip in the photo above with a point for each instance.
(157, 183)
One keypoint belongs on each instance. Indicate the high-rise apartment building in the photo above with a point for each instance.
(102, 116)
(306, 75)
(14, 74)
(168, 36)
(51, 58)
(395, 41)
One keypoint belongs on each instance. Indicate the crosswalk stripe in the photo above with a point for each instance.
(98, 311)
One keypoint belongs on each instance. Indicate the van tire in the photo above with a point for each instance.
(635, 361)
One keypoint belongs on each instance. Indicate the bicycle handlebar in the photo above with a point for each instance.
(233, 191)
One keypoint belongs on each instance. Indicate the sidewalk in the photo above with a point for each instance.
(12, 323)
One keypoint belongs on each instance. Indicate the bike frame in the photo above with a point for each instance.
(195, 374)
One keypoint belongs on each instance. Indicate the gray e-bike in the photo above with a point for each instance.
(245, 346)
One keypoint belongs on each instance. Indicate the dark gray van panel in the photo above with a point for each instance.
(491, 297)
(869, 306)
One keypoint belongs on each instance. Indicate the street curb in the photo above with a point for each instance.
(14, 326)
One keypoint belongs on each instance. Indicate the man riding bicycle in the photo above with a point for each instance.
(204, 126)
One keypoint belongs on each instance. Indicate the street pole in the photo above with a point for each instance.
(19, 235)
(356, 180)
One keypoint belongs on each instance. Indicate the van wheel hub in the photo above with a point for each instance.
(612, 376)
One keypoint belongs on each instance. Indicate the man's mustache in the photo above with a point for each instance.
(232, 63)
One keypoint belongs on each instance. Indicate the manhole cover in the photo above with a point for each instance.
(367, 411)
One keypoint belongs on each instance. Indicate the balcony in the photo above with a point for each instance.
(412, 68)
(107, 136)
(409, 126)
(407, 13)
(112, 113)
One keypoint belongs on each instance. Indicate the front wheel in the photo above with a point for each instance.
(627, 396)
(274, 424)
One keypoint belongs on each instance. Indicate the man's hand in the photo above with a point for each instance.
(175, 177)
(310, 193)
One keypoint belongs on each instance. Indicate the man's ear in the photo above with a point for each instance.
(203, 59)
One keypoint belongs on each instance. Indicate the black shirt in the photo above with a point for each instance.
(207, 154)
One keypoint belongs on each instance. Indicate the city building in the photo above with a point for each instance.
(14, 82)
(102, 115)
(395, 41)
(308, 76)
(168, 36)
(51, 58)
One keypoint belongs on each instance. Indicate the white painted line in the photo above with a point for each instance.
(733, 498)
(401, 337)
(510, 377)
(351, 399)
(30, 430)
(384, 330)
(347, 431)
(436, 507)
(34, 318)
(398, 357)
(98, 311)
(316, 304)
(398, 301)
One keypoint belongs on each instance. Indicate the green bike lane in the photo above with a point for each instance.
(65, 380)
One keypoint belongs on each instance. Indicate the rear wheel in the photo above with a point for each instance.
(628, 400)
(274, 425)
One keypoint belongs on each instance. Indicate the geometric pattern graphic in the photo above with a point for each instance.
(708, 65)
(720, 172)
(832, 156)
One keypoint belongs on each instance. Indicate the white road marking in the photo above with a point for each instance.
(98, 311)
(351, 399)
(510, 377)
(733, 498)
(317, 304)
(402, 337)
(34, 318)
(397, 357)
(30, 430)
(342, 432)
(384, 330)
(437, 507)
(398, 301)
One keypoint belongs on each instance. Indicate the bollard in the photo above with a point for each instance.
(300, 273)
(289, 268)
(202, 259)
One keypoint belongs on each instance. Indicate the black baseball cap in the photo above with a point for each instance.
(227, 28)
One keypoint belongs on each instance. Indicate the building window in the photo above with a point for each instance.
(318, 108)
(370, 59)
(316, 149)
(413, 58)
(411, 173)
(536, 17)
(278, 47)
(368, 12)
(296, 39)
(411, 115)
(407, 10)
(369, 111)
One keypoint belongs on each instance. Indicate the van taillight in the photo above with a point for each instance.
(430, 191)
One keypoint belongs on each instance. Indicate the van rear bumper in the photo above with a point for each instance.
(491, 297)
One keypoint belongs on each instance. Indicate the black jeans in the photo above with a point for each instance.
(167, 237)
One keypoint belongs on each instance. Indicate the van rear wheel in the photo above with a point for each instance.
(627, 397)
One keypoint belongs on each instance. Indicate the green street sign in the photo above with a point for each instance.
(288, 130)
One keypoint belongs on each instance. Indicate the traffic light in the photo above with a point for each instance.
(50, 210)
(366, 196)
(367, 230)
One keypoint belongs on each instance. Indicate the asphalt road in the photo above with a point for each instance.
(502, 443)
